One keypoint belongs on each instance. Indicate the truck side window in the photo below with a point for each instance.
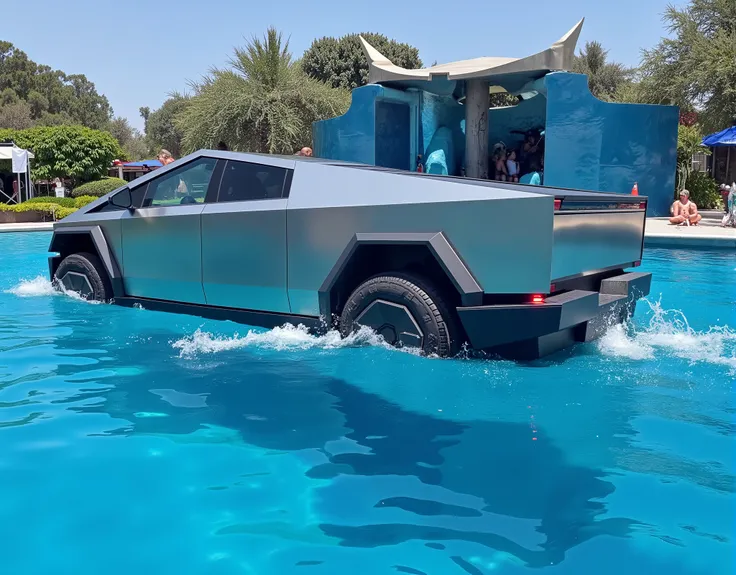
(244, 181)
(185, 185)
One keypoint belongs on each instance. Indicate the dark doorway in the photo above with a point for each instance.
(393, 143)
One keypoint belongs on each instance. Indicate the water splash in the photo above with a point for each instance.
(285, 338)
(37, 287)
(42, 287)
(669, 331)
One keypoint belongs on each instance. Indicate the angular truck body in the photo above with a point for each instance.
(427, 261)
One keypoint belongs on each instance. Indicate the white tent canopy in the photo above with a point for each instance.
(6, 153)
(23, 186)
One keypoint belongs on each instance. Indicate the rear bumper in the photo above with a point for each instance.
(530, 331)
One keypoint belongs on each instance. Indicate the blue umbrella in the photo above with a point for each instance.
(725, 137)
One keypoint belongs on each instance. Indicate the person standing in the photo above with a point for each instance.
(165, 157)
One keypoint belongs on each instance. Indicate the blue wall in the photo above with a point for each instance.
(590, 144)
(352, 136)
(595, 145)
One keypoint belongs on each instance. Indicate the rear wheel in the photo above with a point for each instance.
(406, 311)
(84, 274)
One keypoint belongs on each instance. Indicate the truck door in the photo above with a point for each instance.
(162, 239)
(244, 237)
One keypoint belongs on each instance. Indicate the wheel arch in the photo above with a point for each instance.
(358, 262)
(67, 241)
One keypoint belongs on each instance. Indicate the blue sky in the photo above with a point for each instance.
(137, 52)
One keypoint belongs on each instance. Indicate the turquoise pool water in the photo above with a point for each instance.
(140, 442)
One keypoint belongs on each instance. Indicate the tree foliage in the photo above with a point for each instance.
(263, 102)
(341, 63)
(160, 125)
(75, 152)
(695, 67)
(689, 140)
(132, 142)
(606, 79)
(52, 96)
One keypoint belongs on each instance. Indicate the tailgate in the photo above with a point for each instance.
(595, 232)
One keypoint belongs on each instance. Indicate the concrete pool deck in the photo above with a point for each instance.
(29, 227)
(659, 232)
(708, 234)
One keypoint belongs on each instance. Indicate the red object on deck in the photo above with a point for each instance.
(635, 190)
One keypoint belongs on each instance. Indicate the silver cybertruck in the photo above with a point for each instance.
(432, 262)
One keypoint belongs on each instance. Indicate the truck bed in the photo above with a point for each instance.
(593, 231)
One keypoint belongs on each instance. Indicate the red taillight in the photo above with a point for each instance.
(637, 263)
(538, 298)
(642, 205)
(552, 288)
(558, 204)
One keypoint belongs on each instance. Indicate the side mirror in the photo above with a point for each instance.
(122, 199)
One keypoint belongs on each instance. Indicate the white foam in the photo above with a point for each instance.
(42, 287)
(284, 338)
(670, 333)
(37, 287)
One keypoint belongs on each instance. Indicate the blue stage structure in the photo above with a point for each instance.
(589, 144)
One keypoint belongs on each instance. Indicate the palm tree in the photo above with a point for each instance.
(262, 103)
(605, 78)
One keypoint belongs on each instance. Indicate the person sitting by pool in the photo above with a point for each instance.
(533, 176)
(685, 212)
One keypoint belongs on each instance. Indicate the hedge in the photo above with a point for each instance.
(79, 202)
(98, 188)
(704, 191)
(52, 209)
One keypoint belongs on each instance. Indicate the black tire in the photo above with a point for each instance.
(76, 268)
(394, 296)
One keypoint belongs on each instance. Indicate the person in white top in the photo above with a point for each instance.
(512, 166)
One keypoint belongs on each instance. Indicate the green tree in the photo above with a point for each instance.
(16, 116)
(262, 103)
(76, 152)
(695, 67)
(51, 94)
(605, 78)
(341, 63)
(689, 140)
(131, 140)
(160, 126)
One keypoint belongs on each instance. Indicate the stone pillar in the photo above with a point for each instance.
(477, 100)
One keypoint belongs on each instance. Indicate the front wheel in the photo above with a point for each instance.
(406, 311)
(85, 275)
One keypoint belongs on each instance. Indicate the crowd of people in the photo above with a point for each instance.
(524, 165)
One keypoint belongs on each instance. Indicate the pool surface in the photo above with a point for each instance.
(139, 442)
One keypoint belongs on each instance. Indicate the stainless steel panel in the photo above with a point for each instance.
(505, 244)
(585, 242)
(244, 255)
(162, 253)
(503, 236)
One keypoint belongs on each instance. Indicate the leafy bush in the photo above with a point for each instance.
(704, 191)
(66, 151)
(52, 209)
(64, 212)
(66, 202)
(82, 201)
(98, 188)
(79, 202)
